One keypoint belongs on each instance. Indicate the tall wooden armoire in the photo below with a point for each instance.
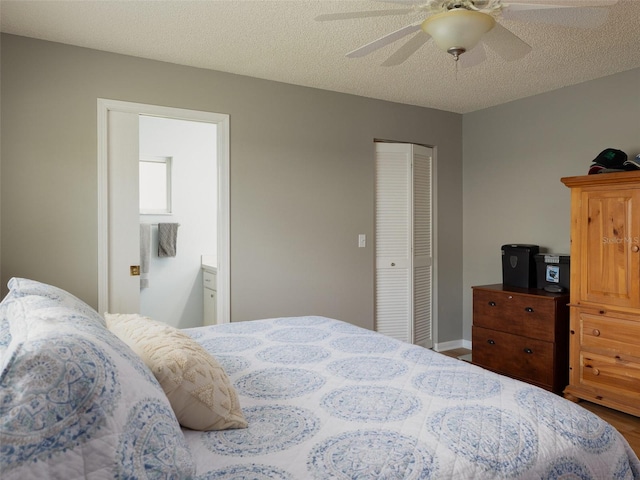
(605, 290)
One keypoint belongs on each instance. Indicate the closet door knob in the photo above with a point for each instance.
(491, 342)
(596, 332)
(528, 350)
(596, 372)
(492, 304)
(635, 249)
(528, 310)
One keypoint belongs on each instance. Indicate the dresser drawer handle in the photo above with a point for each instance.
(596, 372)
(528, 350)
(492, 304)
(596, 332)
(491, 342)
(528, 310)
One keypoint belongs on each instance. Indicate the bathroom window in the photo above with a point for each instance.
(155, 185)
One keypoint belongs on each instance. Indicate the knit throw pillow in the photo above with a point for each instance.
(197, 387)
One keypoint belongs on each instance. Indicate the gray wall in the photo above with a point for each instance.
(302, 179)
(514, 157)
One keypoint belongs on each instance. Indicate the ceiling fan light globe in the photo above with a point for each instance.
(458, 28)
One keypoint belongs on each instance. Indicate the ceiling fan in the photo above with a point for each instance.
(459, 26)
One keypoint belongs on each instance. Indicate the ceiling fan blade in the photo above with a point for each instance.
(364, 14)
(473, 57)
(408, 49)
(383, 41)
(506, 43)
(588, 17)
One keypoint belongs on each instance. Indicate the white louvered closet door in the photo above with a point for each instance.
(403, 242)
(422, 246)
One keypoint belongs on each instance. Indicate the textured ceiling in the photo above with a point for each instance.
(280, 40)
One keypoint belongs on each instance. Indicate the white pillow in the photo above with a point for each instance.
(75, 401)
(197, 387)
(48, 295)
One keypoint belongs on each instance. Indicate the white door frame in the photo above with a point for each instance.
(224, 257)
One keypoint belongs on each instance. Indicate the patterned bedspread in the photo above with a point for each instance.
(327, 400)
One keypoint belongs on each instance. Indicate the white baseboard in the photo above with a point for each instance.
(451, 345)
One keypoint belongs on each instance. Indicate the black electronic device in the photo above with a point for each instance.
(553, 271)
(518, 265)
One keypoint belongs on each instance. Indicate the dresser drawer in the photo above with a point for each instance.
(520, 357)
(610, 334)
(526, 315)
(610, 373)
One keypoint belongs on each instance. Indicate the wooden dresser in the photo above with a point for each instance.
(522, 333)
(605, 290)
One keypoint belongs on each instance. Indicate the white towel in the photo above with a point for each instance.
(145, 254)
(167, 239)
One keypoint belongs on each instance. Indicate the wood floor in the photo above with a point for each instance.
(627, 425)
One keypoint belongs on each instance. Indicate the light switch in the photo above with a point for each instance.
(362, 240)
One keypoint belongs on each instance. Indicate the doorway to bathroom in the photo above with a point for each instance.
(183, 155)
(178, 213)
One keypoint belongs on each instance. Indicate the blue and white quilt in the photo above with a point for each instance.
(327, 400)
(324, 400)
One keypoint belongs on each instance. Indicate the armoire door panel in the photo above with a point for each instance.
(610, 264)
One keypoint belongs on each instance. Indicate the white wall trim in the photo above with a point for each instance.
(103, 207)
(434, 244)
(224, 226)
(451, 345)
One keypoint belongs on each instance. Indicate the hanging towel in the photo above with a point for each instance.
(145, 254)
(167, 238)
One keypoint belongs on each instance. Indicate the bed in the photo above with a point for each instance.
(322, 399)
